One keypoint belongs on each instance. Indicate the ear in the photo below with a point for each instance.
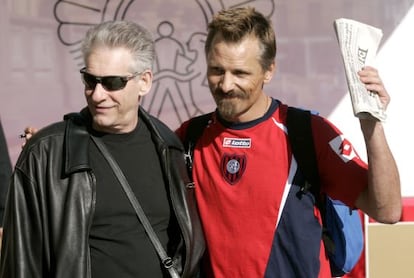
(270, 72)
(145, 82)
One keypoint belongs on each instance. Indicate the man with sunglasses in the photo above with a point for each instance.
(67, 215)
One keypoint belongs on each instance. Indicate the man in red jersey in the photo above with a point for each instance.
(254, 223)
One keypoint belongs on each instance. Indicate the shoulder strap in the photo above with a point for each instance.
(166, 261)
(301, 140)
(300, 135)
(299, 127)
(194, 130)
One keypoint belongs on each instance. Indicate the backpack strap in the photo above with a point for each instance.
(301, 141)
(193, 132)
(337, 240)
(300, 136)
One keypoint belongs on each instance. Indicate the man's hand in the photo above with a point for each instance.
(370, 77)
(28, 133)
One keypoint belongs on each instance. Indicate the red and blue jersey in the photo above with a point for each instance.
(255, 222)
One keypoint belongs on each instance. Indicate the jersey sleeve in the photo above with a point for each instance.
(343, 174)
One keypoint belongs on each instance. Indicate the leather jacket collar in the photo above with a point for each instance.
(76, 129)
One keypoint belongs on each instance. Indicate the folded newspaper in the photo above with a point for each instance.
(359, 44)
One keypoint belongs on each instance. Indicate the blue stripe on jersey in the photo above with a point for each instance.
(296, 244)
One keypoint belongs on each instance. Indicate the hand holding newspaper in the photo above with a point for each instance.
(359, 44)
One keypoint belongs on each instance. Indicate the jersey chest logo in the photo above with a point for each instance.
(244, 143)
(232, 167)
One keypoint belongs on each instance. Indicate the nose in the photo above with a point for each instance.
(227, 82)
(98, 93)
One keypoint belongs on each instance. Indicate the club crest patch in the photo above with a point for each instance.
(232, 167)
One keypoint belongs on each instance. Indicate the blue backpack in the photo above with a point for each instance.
(342, 232)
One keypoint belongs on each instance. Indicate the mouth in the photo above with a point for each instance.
(101, 109)
(228, 97)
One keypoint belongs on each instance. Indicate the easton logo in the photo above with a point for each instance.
(237, 143)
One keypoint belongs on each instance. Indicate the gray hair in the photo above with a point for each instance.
(125, 34)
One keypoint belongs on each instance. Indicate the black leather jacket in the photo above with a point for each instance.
(5, 171)
(52, 197)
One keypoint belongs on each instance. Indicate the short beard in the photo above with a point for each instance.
(227, 109)
(228, 103)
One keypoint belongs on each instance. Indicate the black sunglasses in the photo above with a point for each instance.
(110, 83)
